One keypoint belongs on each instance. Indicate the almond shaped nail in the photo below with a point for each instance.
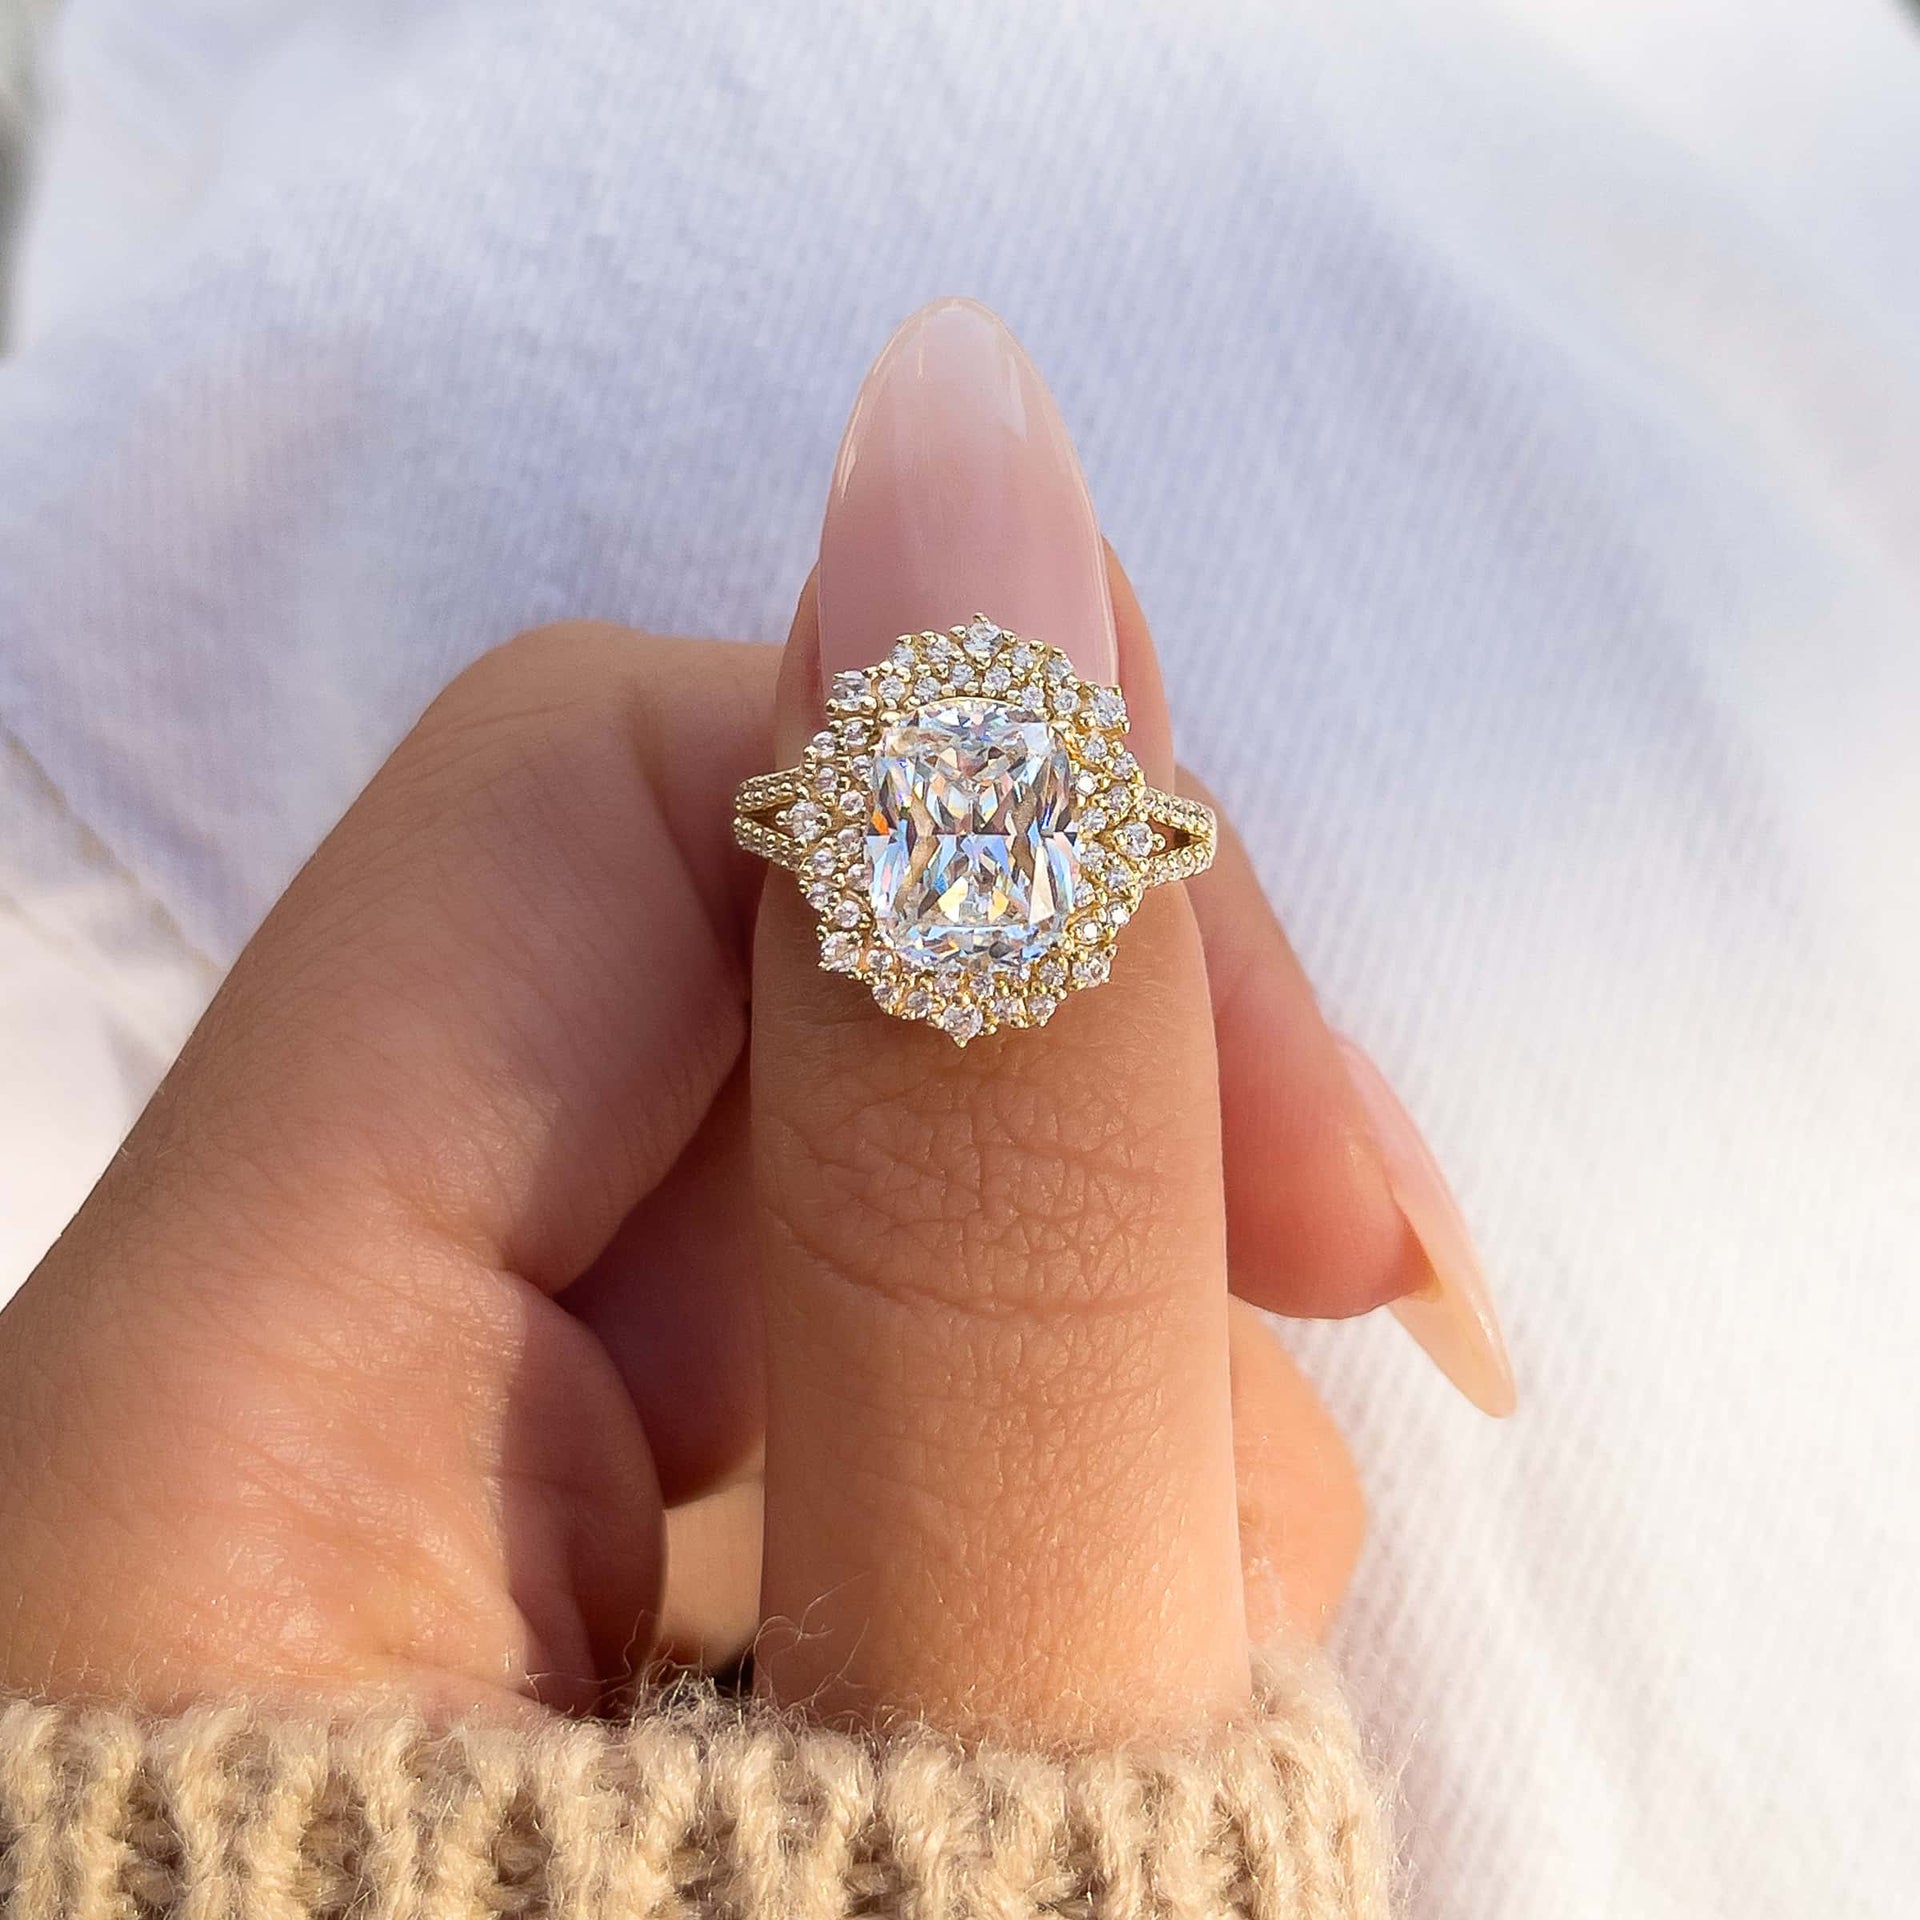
(958, 491)
(1452, 1317)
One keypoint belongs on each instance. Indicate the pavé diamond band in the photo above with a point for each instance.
(971, 829)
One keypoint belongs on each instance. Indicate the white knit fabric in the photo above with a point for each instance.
(1521, 403)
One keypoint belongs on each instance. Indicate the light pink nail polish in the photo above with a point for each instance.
(958, 492)
(1452, 1317)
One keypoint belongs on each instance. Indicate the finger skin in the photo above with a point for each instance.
(1312, 1224)
(999, 1453)
(711, 1609)
(1302, 1515)
(675, 1300)
(528, 921)
(1302, 1518)
(292, 1383)
(1313, 1228)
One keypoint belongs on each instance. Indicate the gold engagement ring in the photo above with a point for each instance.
(971, 829)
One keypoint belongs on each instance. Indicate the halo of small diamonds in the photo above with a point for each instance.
(1096, 836)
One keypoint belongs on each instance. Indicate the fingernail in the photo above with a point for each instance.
(958, 492)
(1452, 1317)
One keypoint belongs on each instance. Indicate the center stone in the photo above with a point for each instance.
(973, 839)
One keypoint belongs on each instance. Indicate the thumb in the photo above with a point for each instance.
(1000, 1471)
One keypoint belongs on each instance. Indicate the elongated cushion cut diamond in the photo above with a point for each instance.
(973, 839)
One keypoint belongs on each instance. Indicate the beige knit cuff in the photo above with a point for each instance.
(699, 1806)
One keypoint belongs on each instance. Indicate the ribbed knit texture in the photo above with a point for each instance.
(699, 1806)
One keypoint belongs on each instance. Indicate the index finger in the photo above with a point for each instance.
(1000, 1478)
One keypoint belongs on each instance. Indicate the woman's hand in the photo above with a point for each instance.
(415, 1338)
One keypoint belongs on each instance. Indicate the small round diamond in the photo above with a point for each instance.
(893, 689)
(981, 635)
(840, 952)
(1125, 766)
(919, 1004)
(1040, 1007)
(1087, 781)
(1058, 669)
(1091, 969)
(825, 782)
(823, 861)
(850, 840)
(996, 680)
(806, 821)
(1092, 819)
(853, 803)
(1087, 933)
(961, 1021)
(1135, 839)
(1095, 747)
(847, 913)
(926, 689)
(849, 690)
(1118, 913)
(853, 732)
(1065, 700)
(1021, 658)
(1109, 709)
(823, 741)
(821, 895)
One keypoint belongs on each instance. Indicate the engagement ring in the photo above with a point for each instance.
(972, 830)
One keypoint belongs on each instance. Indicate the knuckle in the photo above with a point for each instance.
(543, 664)
(531, 740)
(530, 687)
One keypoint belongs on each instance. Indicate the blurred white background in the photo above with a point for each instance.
(1526, 395)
